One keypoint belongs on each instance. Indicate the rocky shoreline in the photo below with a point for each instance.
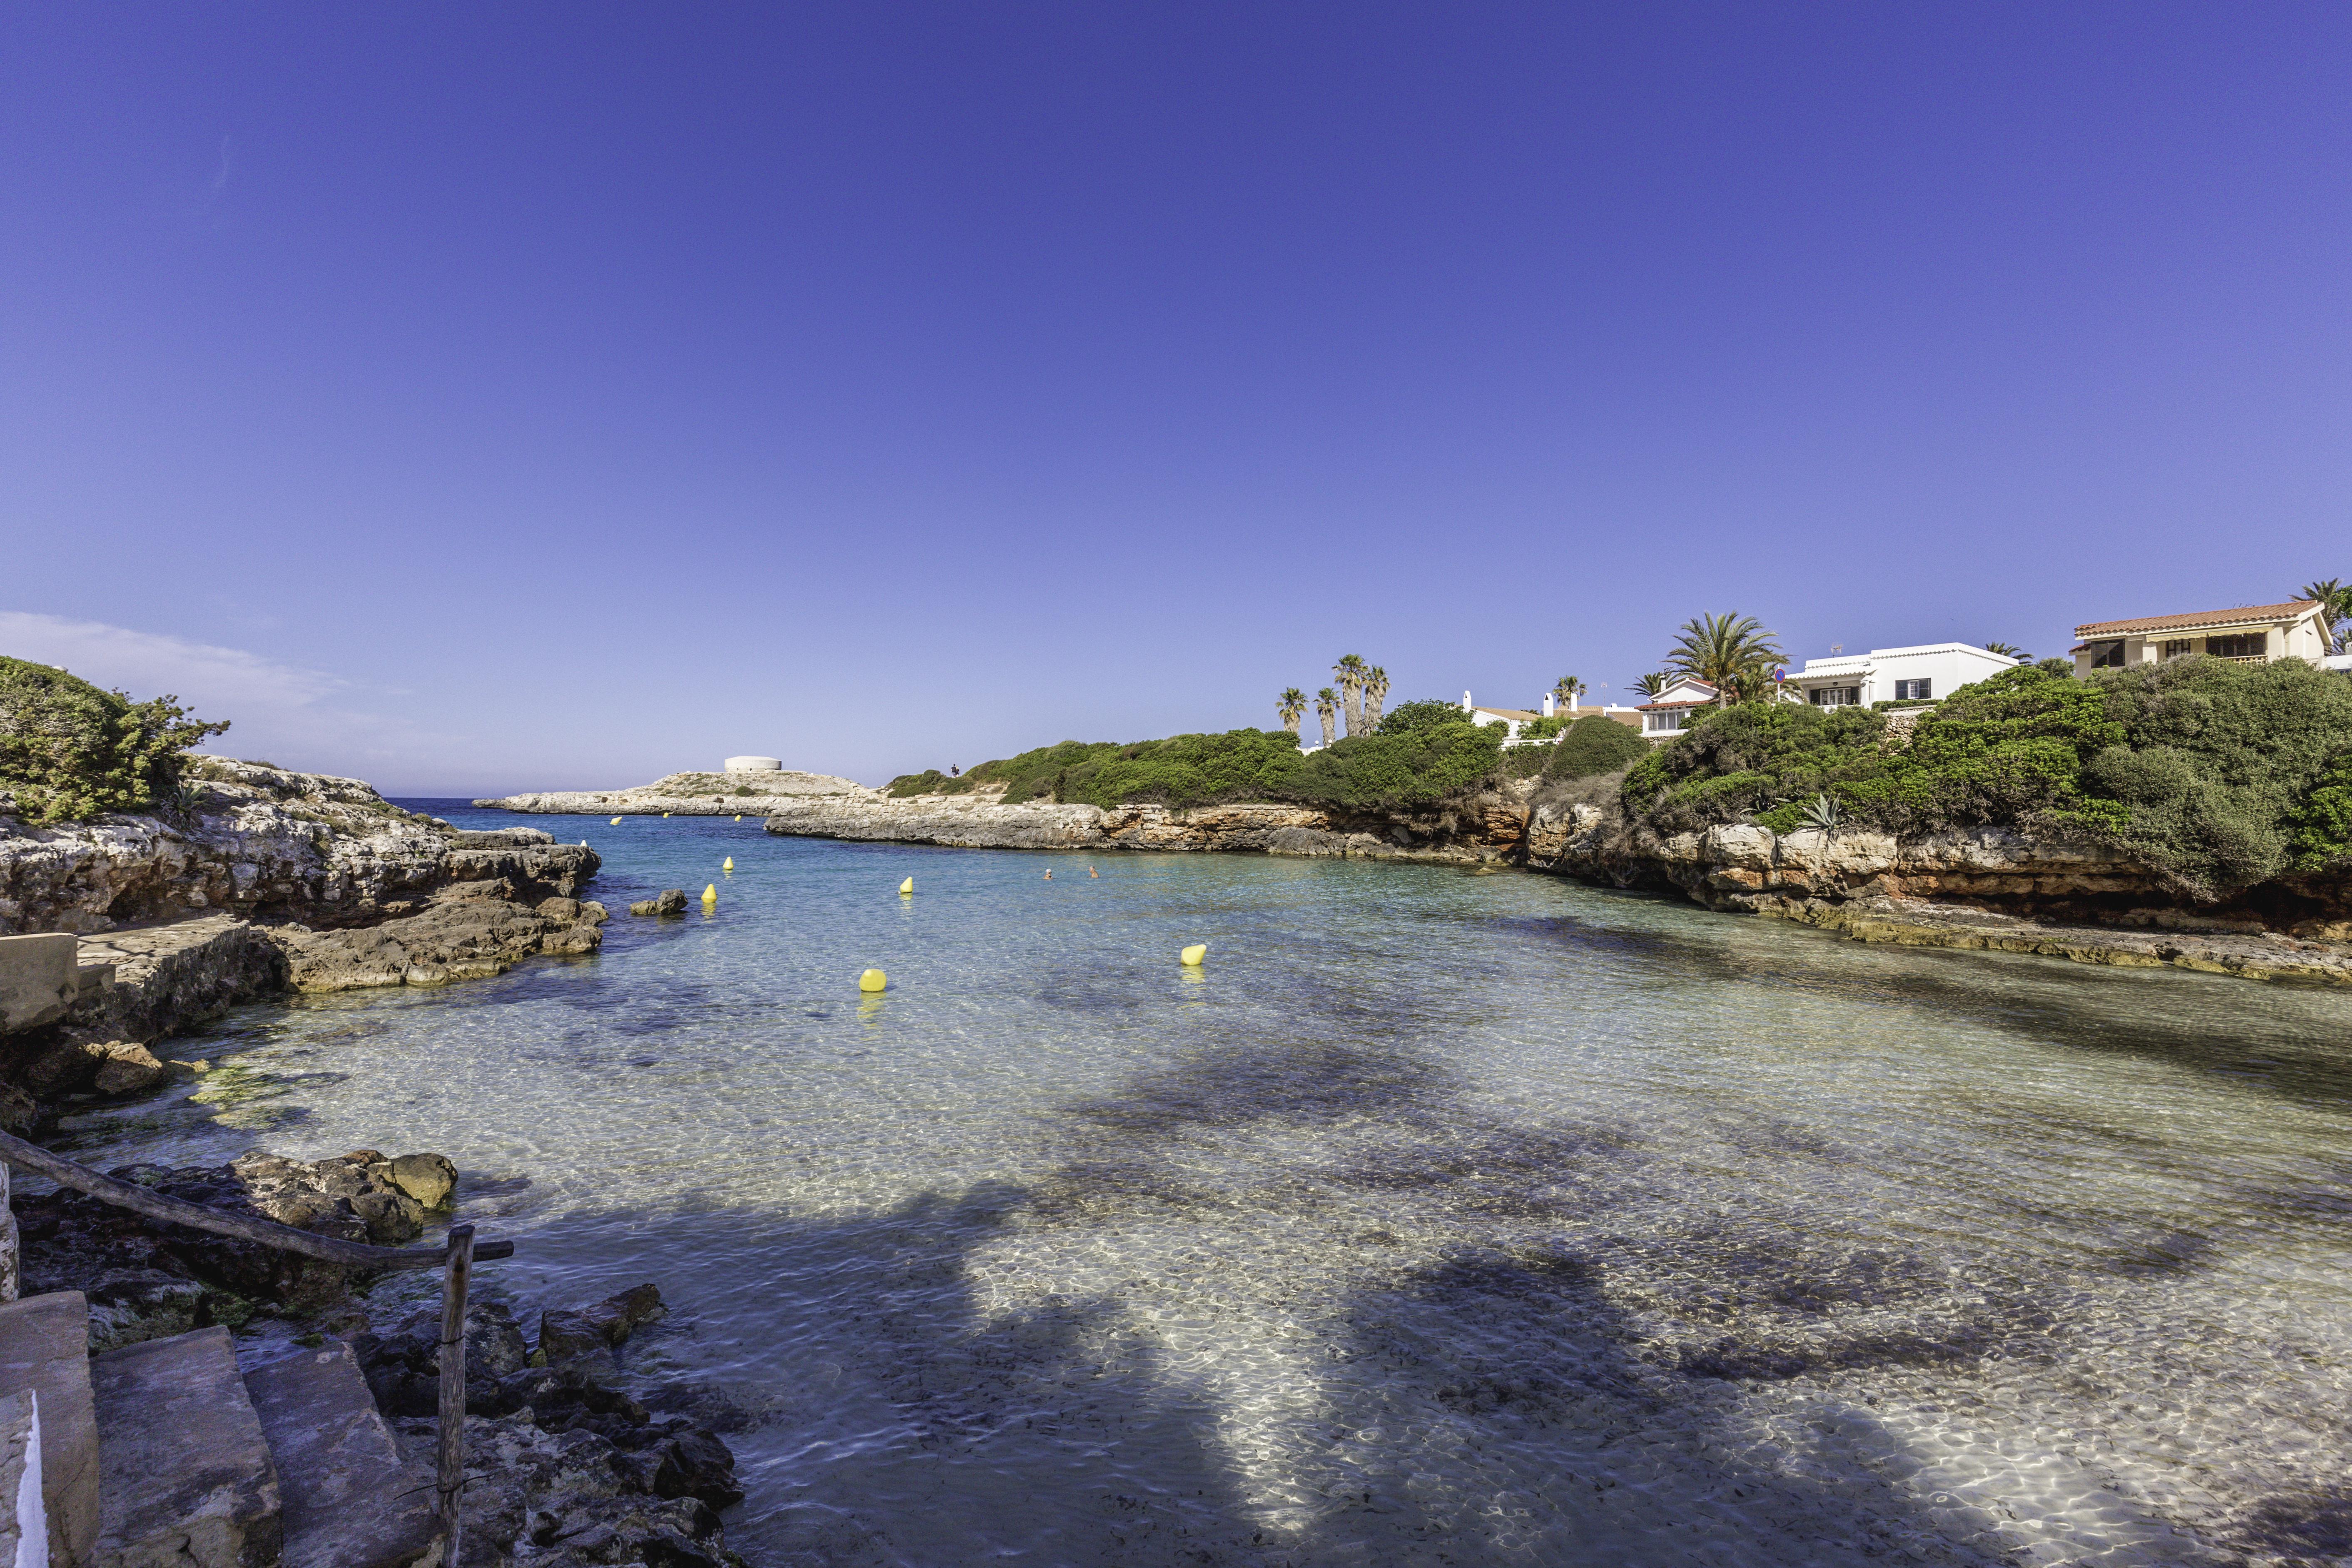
(263, 883)
(1990, 890)
(576, 1459)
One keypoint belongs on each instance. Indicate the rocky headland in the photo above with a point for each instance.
(686, 794)
(262, 881)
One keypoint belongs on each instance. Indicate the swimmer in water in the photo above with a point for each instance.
(1049, 876)
(1090, 870)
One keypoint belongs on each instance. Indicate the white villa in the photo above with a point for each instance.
(1927, 673)
(1515, 719)
(1669, 713)
(2248, 634)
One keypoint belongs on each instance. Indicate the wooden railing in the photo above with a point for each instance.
(455, 1260)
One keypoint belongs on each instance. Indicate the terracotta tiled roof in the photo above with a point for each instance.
(1519, 713)
(2244, 616)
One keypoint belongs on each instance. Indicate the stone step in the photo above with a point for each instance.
(184, 1474)
(348, 1500)
(45, 1348)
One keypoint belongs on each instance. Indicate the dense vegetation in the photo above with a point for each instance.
(69, 751)
(1412, 760)
(2218, 774)
(1591, 746)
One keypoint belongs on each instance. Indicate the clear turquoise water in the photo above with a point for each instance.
(1440, 1218)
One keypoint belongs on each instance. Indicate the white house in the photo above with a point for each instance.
(2253, 634)
(1515, 719)
(1931, 672)
(1670, 712)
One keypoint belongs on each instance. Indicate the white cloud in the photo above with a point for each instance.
(281, 713)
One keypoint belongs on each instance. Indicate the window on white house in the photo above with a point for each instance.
(1915, 690)
(2245, 645)
(2178, 646)
(2107, 655)
(1834, 695)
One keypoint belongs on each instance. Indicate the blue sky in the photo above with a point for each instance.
(478, 398)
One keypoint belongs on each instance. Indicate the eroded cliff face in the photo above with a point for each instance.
(1987, 889)
(266, 879)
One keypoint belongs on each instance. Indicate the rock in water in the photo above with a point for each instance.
(671, 902)
(565, 1335)
(428, 1178)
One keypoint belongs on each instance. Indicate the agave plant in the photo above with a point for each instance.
(1823, 812)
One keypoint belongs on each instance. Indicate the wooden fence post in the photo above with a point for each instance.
(452, 1477)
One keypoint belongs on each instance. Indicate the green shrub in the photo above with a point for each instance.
(1185, 770)
(1423, 713)
(2320, 831)
(1415, 768)
(1594, 745)
(69, 751)
(2221, 765)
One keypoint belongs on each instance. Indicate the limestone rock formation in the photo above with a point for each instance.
(1484, 829)
(689, 795)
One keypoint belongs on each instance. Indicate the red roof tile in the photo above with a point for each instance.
(2244, 616)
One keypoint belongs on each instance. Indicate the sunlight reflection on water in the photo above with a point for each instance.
(1437, 1219)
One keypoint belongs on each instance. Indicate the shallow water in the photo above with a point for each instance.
(1440, 1218)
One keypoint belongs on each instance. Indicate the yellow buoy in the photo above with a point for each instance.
(738, 817)
(710, 894)
(617, 822)
(907, 886)
(729, 864)
(872, 979)
(1195, 953)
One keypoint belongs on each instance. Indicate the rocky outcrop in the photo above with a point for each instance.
(148, 1281)
(1986, 889)
(463, 935)
(687, 795)
(169, 976)
(1488, 827)
(263, 879)
(251, 841)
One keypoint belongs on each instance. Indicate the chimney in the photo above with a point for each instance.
(1465, 702)
(1547, 705)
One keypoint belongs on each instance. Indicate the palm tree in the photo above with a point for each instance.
(1289, 707)
(1327, 708)
(2007, 650)
(1651, 684)
(1350, 671)
(1721, 649)
(2335, 609)
(1376, 691)
(1566, 691)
